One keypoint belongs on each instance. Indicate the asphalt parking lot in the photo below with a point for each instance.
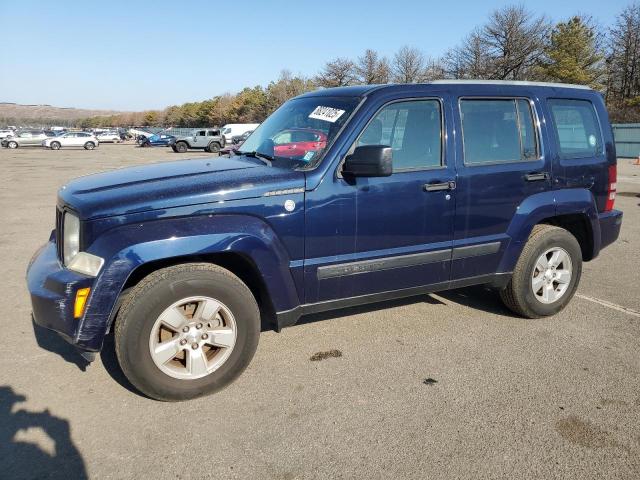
(439, 386)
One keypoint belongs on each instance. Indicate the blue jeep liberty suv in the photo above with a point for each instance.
(341, 197)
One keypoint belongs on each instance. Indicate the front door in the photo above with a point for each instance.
(200, 139)
(372, 235)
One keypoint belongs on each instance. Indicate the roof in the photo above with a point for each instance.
(361, 90)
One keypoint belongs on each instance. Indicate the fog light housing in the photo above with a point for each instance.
(81, 301)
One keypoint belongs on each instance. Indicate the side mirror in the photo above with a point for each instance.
(369, 161)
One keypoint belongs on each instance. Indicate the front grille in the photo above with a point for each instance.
(59, 223)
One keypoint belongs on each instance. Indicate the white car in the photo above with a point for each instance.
(6, 133)
(108, 137)
(72, 139)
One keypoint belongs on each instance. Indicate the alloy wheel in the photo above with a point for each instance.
(193, 337)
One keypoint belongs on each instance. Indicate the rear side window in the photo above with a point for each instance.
(412, 129)
(577, 128)
(497, 130)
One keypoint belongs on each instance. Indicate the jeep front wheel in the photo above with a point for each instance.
(186, 331)
(546, 275)
(181, 147)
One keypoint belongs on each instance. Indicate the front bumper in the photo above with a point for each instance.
(610, 224)
(53, 289)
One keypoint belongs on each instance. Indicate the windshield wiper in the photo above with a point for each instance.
(267, 159)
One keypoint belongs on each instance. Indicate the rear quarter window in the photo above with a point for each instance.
(576, 127)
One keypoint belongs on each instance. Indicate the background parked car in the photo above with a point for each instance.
(6, 133)
(210, 139)
(25, 138)
(238, 139)
(72, 139)
(158, 140)
(237, 142)
(231, 130)
(109, 137)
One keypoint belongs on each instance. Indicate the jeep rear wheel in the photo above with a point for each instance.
(213, 147)
(186, 331)
(181, 147)
(546, 275)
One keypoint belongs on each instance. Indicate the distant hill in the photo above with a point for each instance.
(16, 113)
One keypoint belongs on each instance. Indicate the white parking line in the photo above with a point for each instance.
(613, 306)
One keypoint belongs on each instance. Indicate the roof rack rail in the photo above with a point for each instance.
(511, 82)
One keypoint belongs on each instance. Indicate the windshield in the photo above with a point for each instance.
(300, 131)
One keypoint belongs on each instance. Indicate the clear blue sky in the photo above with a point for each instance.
(150, 54)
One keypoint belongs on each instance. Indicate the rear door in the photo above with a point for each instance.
(501, 162)
(80, 139)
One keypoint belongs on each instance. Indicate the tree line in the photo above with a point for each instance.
(513, 44)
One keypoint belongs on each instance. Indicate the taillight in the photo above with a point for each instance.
(611, 188)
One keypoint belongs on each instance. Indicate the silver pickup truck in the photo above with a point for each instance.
(208, 139)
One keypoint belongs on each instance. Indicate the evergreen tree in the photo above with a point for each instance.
(573, 55)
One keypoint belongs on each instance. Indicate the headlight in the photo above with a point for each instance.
(74, 259)
(71, 240)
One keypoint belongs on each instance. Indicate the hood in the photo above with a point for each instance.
(173, 184)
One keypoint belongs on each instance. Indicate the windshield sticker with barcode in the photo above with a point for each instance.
(328, 114)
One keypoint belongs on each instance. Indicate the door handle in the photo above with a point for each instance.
(439, 186)
(536, 176)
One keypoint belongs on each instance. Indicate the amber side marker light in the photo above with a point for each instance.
(81, 301)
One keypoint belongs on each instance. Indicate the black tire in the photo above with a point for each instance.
(149, 298)
(181, 147)
(518, 296)
(12, 145)
(55, 145)
(213, 147)
(89, 146)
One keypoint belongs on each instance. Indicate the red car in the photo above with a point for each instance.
(298, 142)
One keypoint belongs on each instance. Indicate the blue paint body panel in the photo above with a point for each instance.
(345, 238)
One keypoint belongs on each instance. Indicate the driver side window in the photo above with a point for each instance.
(413, 129)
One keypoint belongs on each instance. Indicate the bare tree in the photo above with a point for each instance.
(623, 59)
(514, 39)
(435, 70)
(338, 72)
(370, 68)
(408, 65)
(471, 59)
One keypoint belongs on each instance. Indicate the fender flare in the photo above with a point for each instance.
(546, 205)
(128, 247)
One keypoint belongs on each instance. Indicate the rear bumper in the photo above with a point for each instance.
(610, 223)
(53, 289)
